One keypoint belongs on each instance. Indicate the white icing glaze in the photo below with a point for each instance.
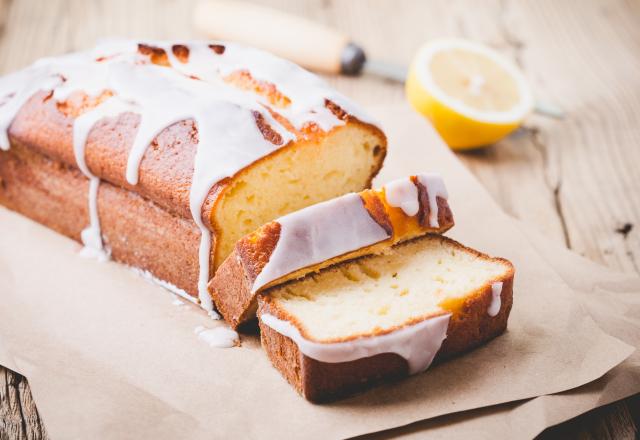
(220, 337)
(91, 237)
(435, 188)
(82, 125)
(417, 343)
(403, 194)
(228, 136)
(496, 301)
(167, 285)
(319, 232)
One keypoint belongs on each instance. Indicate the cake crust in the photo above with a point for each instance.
(231, 287)
(137, 231)
(469, 326)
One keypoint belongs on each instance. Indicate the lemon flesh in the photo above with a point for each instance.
(471, 94)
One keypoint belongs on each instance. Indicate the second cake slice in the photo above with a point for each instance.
(324, 234)
(381, 317)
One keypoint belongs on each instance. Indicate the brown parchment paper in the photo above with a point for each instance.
(613, 299)
(108, 355)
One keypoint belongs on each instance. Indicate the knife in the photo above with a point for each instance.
(309, 44)
(312, 45)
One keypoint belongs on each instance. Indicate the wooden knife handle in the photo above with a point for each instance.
(304, 42)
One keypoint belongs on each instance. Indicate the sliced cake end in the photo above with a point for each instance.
(384, 316)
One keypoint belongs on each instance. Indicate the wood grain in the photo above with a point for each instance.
(19, 417)
(576, 179)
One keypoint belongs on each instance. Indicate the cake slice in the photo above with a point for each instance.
(385, 316)
(324, 234)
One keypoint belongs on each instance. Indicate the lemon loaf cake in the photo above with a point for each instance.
(326, 233)
(384, 316)
(162, 155)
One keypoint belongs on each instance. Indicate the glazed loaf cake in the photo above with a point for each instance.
(163, 155)
(321, 235)
(381, 317)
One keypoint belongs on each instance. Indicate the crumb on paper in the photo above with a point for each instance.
(625, 229)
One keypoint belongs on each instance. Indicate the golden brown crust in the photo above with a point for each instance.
(470, 326)
(254, 251)
(235, 277)
(138, 232)
(230, 288)
(166, 168)
(240, 271)
(322, 381)
(378, 210)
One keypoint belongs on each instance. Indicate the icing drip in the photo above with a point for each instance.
(170, 287)
(417, 343)
(220, 337)
(236, 129)
(82, 125)
(318, 233)
(403, 194)
(91, 236)
(496, 301)
(435, 188)
(151, 125)
(195, 87)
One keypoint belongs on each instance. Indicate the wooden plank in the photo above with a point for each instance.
(576, 179)
(4, 10)
(586, 61)
(618, 421)
(19, 419)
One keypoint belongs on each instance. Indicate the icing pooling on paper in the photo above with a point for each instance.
(178, 303)
(220, 337)
(162, 283)
(90, 236)
(318, 233)
(496, 301)
(229, 138)
(417, 343)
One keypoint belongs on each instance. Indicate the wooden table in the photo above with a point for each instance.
(576, 179)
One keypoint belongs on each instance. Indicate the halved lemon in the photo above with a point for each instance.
(472, 94)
